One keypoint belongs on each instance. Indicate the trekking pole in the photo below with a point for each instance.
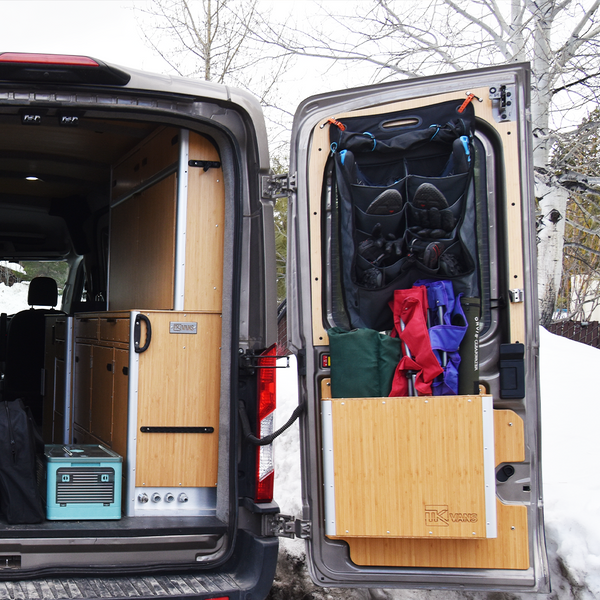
(410, 375)
(440, 310)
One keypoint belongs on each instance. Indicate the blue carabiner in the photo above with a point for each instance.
(373, 138)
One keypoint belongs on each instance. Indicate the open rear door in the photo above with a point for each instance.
(413, 216)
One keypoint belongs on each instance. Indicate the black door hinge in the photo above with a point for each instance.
(278, 186)
(285, 526)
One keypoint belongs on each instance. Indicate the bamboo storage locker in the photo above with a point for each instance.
(434, 479)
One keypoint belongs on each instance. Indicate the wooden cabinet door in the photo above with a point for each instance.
(102, 393)
(120, 390)
(83, 385)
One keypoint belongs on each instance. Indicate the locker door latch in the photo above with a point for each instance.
(503, 102)
(516, 296)
(205, 164)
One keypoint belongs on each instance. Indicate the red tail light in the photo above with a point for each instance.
(47, 59)
(267, 397)
(59, 68)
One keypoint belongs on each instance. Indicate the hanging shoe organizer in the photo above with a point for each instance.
(404, 188)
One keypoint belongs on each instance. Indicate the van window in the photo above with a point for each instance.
(15, 278)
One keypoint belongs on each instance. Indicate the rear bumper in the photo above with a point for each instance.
(247, 575)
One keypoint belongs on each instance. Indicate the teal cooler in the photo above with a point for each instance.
(83, 482)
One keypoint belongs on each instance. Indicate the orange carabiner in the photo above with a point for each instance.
(339, 125)
(466, 103)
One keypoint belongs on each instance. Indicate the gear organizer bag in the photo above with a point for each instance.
(403, 186)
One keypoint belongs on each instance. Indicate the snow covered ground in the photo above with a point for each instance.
(13, 298)
(571, 446)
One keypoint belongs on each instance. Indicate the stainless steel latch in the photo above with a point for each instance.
(516, 295)
(503, 102)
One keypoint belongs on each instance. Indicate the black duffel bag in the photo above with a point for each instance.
(20, 498)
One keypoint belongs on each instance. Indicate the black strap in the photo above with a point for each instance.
(247, 431)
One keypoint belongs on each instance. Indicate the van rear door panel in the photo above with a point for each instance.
(419, 490)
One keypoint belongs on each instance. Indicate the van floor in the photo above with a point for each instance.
(125, 526)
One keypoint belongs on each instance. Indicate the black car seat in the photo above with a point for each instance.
(25, 346)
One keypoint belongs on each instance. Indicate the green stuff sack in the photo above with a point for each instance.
(363, 362)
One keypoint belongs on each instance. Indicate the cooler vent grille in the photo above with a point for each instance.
(85, 486)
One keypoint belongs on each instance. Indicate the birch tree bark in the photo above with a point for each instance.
(214, 40)
(207, 39)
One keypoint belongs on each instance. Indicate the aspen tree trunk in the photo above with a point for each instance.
(551, 198)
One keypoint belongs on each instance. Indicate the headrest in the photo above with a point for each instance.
(42, 292)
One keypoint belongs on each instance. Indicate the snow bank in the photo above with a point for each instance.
(571, 445)
(13, 298)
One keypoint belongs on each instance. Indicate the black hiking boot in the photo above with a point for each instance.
(389, 202)
(428, 196)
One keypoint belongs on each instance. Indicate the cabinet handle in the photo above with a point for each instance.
(137, 329)
(146, 429)
(109, 367)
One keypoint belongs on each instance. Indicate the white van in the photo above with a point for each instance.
(157, 369)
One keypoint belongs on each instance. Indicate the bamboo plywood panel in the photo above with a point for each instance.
(508, 134)
(205, 230)
(509, 433)
(157, 152)
(179, 386)
(510, 550)
(409, 467)
(142, 249)
(155, 279)
(124, 233)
